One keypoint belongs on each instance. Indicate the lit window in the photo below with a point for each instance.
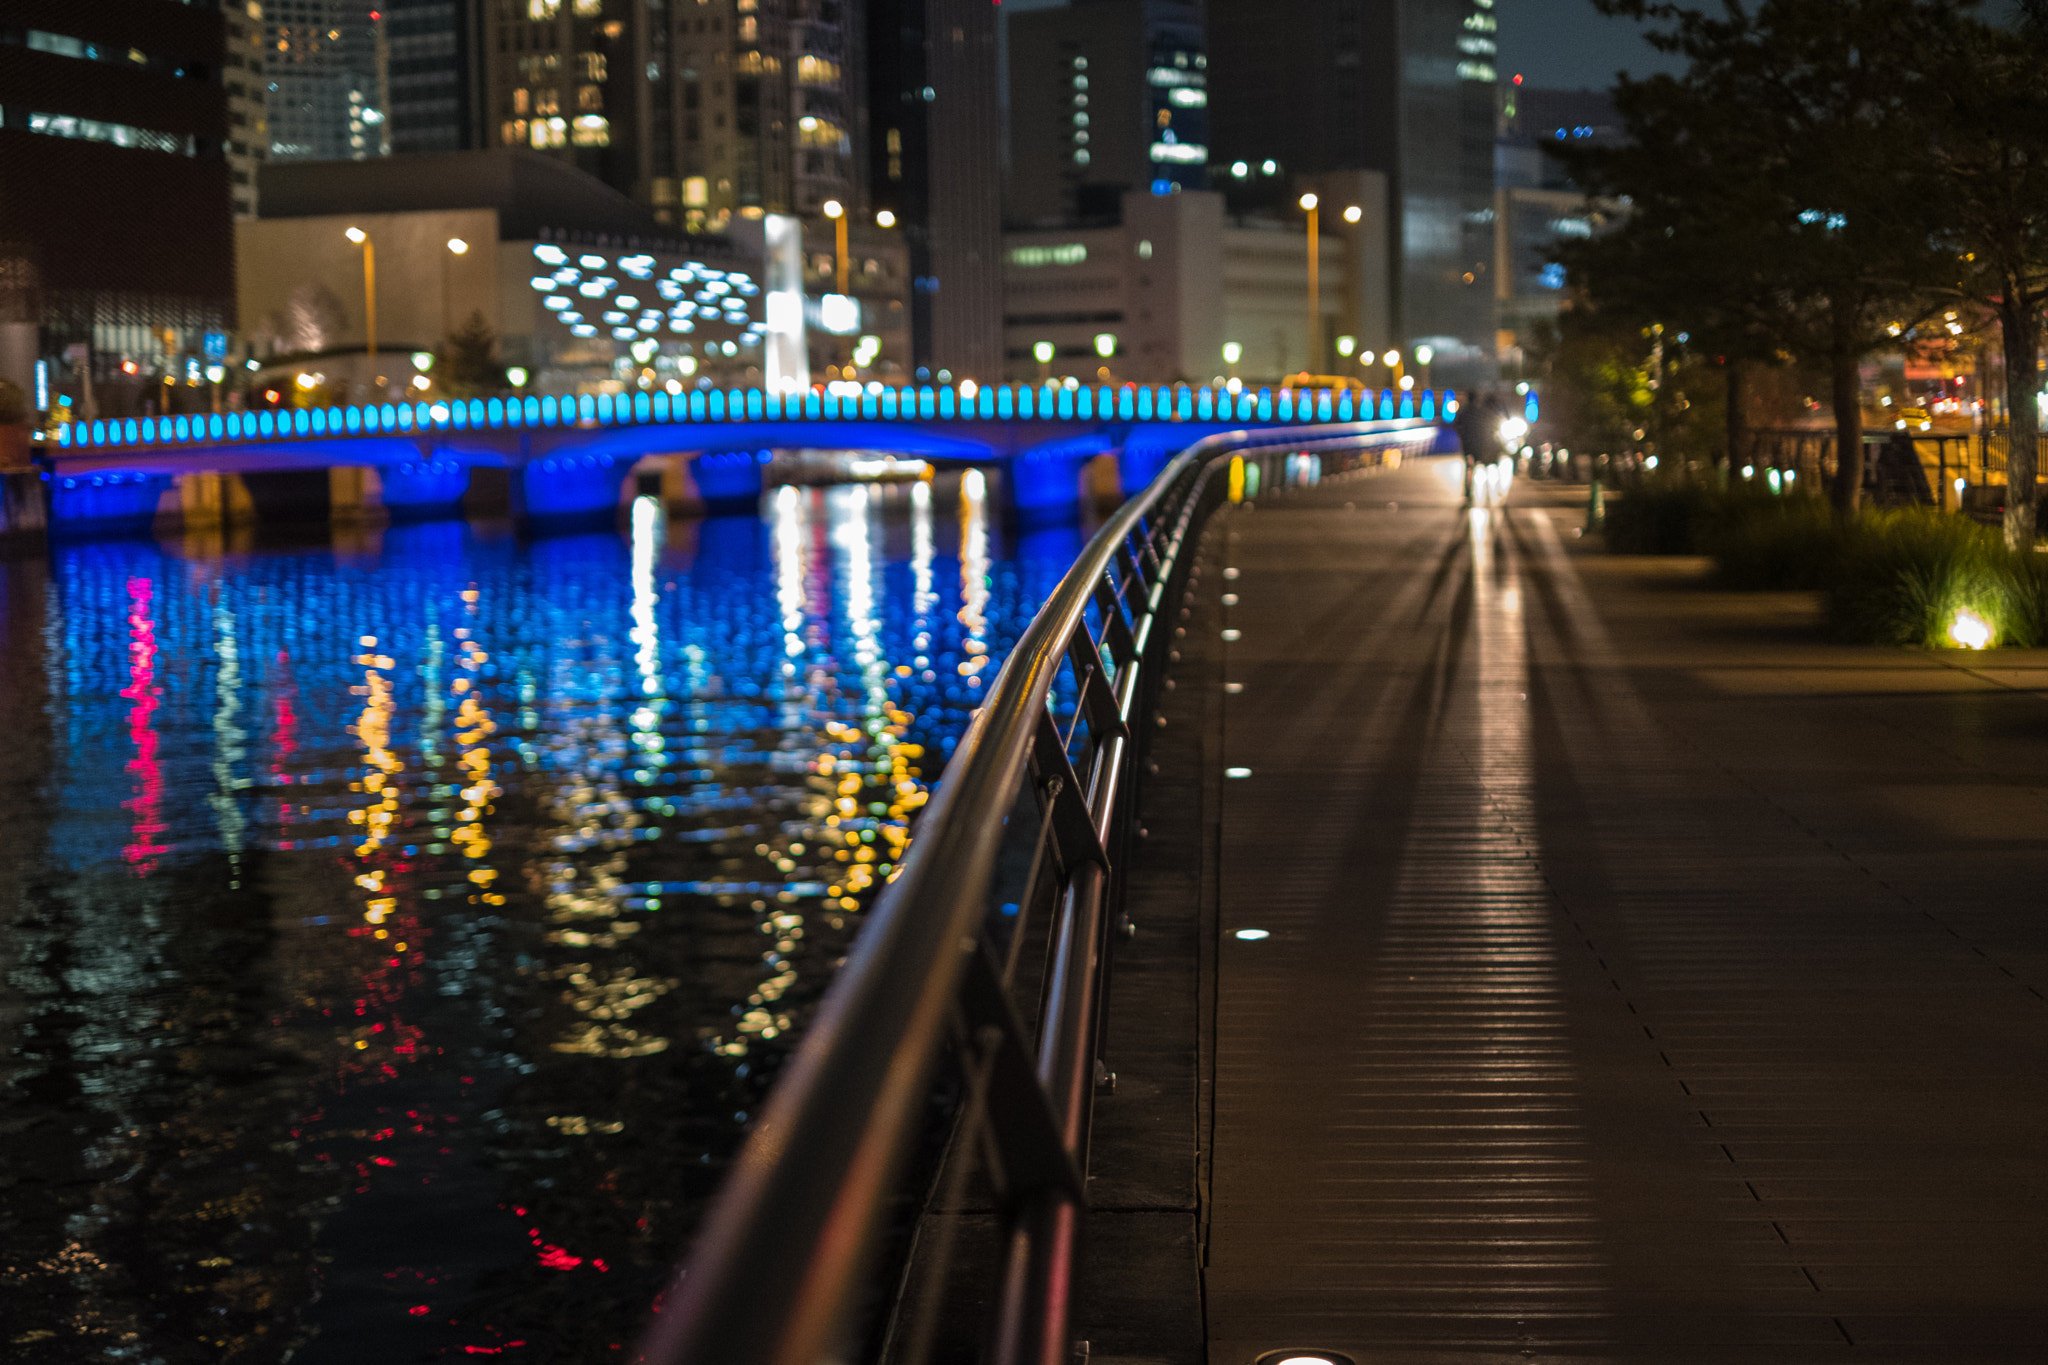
(1064, 253)
(120, 134)
(543, 9)
(589, 9)
(522, 101)
(592, 130)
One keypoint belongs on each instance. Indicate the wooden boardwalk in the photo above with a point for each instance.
(1587, 967)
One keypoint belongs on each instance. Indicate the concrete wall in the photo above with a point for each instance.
(1176, 280)
(300, 280)
(1265, 297)
(1179, 311)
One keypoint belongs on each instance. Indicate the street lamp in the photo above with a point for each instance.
(1043, 352)
(1423, 355)
(885, 219)
(1315, 319)
(1392, 360)
(362, 239)
(456, 247)
(837, 213)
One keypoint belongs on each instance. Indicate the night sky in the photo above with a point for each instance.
(1568, 45)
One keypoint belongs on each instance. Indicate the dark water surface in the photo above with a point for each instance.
(395, 942)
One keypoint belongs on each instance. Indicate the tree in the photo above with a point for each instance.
(469, 364)
(1616, 387)
(1769, 210)
(1989, 171)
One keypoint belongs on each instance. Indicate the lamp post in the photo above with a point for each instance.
(456, 247)
(837, 213)
(1392, 360)
(1423, 355)
(1315, 260)
(362, 239)
(1351, 312)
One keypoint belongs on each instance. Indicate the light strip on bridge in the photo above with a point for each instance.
(1003, 402)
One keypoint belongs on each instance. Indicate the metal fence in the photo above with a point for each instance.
(1034, 811)
(1978, 458)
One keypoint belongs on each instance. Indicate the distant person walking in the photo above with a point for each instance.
(1478, 428)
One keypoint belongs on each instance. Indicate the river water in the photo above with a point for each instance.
(396, 940)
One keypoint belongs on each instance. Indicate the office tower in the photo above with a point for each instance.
(431, 47)
(1403, 87)
(935, 156)
(699, 109)
(244, 81)
(1105, 96)
(118, 264)
(328, 87)
(1537, 209)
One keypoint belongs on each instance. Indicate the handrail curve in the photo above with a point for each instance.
(784, 1252)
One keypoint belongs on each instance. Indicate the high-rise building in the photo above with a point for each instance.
(935, 145)
(431, 46)
(117, 266)
(329, 69)
(1402, 87)
(1105, 96)
(1537, 209)
(243, 79)
(699, 109)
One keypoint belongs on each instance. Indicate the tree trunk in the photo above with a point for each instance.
(2021, 326)
(1738, 416)
(1848, 392)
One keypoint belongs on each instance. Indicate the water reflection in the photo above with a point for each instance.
(395, 945)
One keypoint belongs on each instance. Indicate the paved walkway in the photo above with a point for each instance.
(1640, 981)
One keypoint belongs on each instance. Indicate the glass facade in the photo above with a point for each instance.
(1446, 179)
(326, 86)
(1402, 87)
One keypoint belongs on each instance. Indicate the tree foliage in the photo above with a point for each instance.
(1770, 211)
(468, 364)
(1987, 168)
(1619, 387)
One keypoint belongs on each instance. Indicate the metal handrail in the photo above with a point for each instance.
(786, 1249)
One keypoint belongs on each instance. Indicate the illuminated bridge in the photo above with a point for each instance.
(569, 457)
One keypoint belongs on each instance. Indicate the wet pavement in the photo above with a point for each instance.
(1604, 969)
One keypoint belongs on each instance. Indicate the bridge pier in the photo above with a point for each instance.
(729, 481)
(568, 489)
(24, 517)
(106, 504)
(415, 490)
(1044, 482)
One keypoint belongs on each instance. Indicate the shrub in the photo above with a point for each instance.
(1896, 577)
(1665, 518)
(1766, 543)
(1907, 577)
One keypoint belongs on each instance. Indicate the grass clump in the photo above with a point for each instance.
(1775, 544)
(1660, 518)
(1908, 576)
(1925, 578)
